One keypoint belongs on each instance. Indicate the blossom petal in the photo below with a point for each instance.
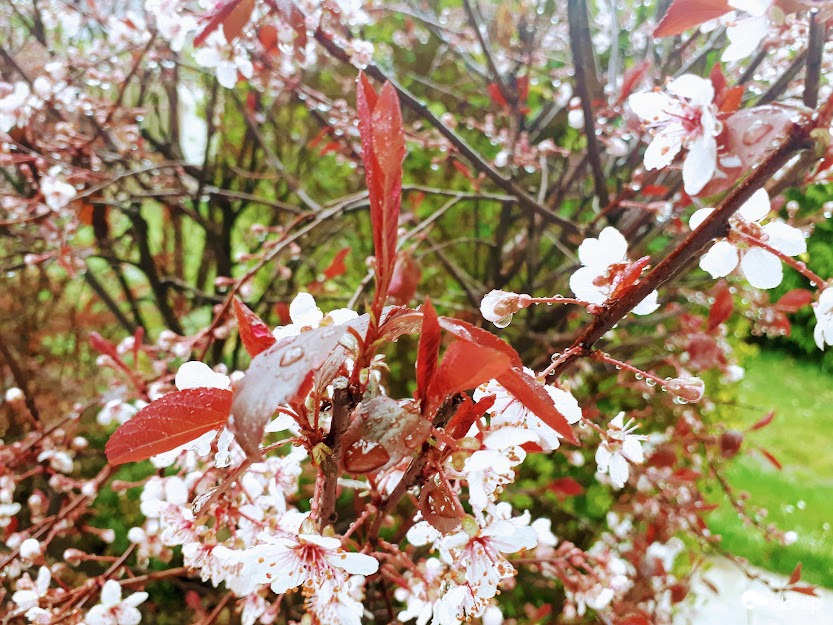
(304, 312)
(699, 217)
(762, 269)
(110, 593)
(355, 563)
(581, 284)
(698, 90)
(785, 238)
(227, 74)
(720, 260)
(611, 247)
(744, 36)
(632, 449)
(647, 305)
(651, 106)
(665, 146)
(565, 403)
(699, 163)
(618, 470)
(756, 207)
(195, 374)
(603, 456)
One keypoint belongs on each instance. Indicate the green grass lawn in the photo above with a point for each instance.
(799, 497)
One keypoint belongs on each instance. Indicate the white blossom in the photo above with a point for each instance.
(761, 268)
(602, 260)
(823, 332)
(620, 447)
(683, 118)
(113, 610)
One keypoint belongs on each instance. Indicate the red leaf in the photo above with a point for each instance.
(214, 19)
(468, 332)
(428, 350)
(439, 508)
(763, 422)
(383, 149)
(531, 394)
(564, 487)
(254, 334)
(337, 267)
(685, 14)
(237, 19)
(718, 79)
(467, 365)
(103, 346)
(722, 308)
(751, 133)
(274, 377)
(361, 458)
(730, 100)
(633, 77)
(405, 279)
(171, 421)
(771, 458)
(464, 366)
(629, 276)
(518, 383)
(467, 414)
(805, 590)
(792, 301)
(496, 95)
(796, 574)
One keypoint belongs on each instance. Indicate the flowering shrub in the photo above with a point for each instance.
(193, 165)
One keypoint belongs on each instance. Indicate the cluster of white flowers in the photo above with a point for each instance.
(762, 268)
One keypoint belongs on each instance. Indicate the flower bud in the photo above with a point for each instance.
(499, 306)
(470, 525)
(730, 442)
(689, 390)
(30, 549)
(73, 557)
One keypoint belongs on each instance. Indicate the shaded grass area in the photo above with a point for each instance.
(800, 496)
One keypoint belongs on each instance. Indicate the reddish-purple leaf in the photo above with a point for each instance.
(467, 365)
(171, 421)
(337, 267)
(467, 414)
(721, 310)
(383, 149)
(221, 11)
(439, 507)
(628, 277)
(236, 20)
(805, 590)
(428, 350)
(792, 301)
(684, 14)
(772, 459)
(631, 80)
(796, 574)
(763, 422)
(273, 378)
(531, 394)
(404, 280)
(254, 334)
(468, 332)
(564, 487)
(751, 133)
(464, 366)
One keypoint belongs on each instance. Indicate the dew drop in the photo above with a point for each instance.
(756, 132)
(292, 355)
